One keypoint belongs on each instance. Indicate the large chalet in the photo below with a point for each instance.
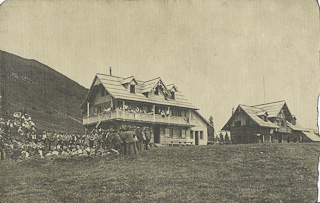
(115, 102)
(270, 122)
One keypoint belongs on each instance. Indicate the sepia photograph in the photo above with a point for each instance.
(159, 101)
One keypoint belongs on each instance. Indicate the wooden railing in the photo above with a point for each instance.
(129, 116)
(284, 130)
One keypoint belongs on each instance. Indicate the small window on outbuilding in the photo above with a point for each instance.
(103, 93)
(237, 124)
(132, 89)
(247, 121)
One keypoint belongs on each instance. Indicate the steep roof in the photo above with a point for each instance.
(312, 136)
(170, 86)
(202, 118)
(253, 113)
(272, 108)
(113, 85)
(128, 80)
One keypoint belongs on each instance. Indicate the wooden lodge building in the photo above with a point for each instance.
(270, 122)
(116, 102)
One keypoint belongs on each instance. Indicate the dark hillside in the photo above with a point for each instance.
(51, 98)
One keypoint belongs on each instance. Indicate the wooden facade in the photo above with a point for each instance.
(266, 123)
(114, 102)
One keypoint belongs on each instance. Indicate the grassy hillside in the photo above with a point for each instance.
(51, 98)
(232, 173)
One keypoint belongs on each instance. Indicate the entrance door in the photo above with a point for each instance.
(157, 134)
(196, 136)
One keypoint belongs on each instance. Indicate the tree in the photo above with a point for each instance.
(211, 129)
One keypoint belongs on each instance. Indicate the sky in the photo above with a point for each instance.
(219, 53)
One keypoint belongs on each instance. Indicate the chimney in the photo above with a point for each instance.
(110, 70)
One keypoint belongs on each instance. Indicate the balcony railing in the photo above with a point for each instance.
(284, 130)
(136, 117)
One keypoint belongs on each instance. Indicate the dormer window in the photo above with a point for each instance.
(132, 89)
(156, 92)
(173, 95)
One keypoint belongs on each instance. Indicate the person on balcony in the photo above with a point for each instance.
(163, 114)
(168, 113)
(107, 110)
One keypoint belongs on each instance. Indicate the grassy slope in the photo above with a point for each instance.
(48, 96)
(235, 173)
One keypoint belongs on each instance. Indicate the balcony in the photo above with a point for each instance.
(136, 117)
(284, 130)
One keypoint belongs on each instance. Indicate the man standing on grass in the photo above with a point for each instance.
(140, 138)
(148, 137)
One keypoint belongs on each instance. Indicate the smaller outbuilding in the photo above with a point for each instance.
(269, 122)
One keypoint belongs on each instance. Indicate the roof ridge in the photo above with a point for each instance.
(109, 75)
(270, 103)
(129, 77)
(153, 79)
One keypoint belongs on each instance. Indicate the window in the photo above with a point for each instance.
(99, 109)
(191, 134)
(183, 114)
(103, 92)
(170, 132)
(237, 124)
(282, 123)
(183, 133)
(132, 89)
(201, 135)
(156, 92)
(173, 95)
(162, 131)
(179, 133)
(247, 121)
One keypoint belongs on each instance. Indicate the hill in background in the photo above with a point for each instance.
(50, 98)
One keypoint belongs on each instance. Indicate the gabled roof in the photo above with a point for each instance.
(272, 108)
(172, 86)
(151, 84)
(113, 85)
(312, 136)
(253, 113)
(202, 118)
(128, 80)
(298, 127)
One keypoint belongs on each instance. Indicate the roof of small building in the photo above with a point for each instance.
(273, 108)
(254, 113)
(312, 136)
(113, 85)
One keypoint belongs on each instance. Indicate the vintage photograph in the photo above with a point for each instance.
(159, 101)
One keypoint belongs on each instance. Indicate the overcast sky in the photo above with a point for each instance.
(216, 52)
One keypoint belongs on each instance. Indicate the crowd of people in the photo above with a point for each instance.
(162, 112)
(19, 139)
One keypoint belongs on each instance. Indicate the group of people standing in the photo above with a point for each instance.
(20, 140)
